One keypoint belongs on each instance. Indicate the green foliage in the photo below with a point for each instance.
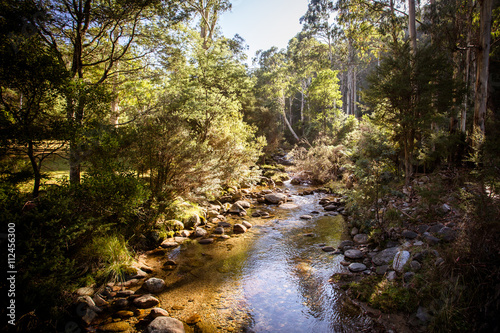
(109, 257)
(407, 94)
(197, 141)
(322, 162)
(382, 294)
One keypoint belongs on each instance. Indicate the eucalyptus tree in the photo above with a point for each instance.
(273, 79)
(196, 141)
(91, 38)
(307, 56)
(209, 12)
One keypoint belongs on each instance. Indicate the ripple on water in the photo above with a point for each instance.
(276, 281)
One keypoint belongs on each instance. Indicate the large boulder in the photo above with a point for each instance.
(385, 256)
(166, 325)
(275, 198)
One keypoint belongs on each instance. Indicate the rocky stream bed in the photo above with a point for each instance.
(264, 261)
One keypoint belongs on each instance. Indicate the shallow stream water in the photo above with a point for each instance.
(274, 278)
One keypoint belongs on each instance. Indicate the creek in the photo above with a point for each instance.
(273, 278)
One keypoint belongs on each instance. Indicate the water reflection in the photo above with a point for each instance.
(272, 279)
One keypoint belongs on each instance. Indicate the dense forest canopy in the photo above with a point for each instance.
(114, 111)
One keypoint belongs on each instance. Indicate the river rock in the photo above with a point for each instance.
(236, 208)
(157, 312)
(246, 224)
(345, 243)
(99, 300)
(385, 256)
(330, 208)
(166, 325)
(409, 234)
(124, 314)
(328, 248)
(124, 293)
(206, 241)
(85, 291)
(275, 198)
(169, 243)
(353, 254)
(219, 231)
(244, 204)
(422, 228)
(120, 326)
(448, 234)
(306, 217)
(354, 231)
(146, 301)
(431, 240)
(212, 214)
(192, 222)
(239, 229)
(155, 285)
(224, 225)
(120, 303)
(356, 267)
(435, 228)
(391, 276)
(400, 259)
(415, 265)
(381, 270)
(200, 232)
(361, 238)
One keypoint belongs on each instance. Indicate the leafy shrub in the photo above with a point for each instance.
(322, 162)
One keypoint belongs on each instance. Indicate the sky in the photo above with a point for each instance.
(263, 23)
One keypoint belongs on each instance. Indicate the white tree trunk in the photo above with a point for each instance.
(412, 27)
(483, 58)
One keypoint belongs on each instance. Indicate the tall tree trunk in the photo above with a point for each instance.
(412, 26)
(483, 58)
(282, 102)
(463, 114)
(36, 169)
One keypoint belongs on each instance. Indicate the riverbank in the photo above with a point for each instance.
(273, 277)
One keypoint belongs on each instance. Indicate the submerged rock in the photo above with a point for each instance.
(155, 285)
(146, 301)
(166, 325)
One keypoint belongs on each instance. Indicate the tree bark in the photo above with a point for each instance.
(483, 58)
(285, 118)
(36, 169)
(412, 26)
